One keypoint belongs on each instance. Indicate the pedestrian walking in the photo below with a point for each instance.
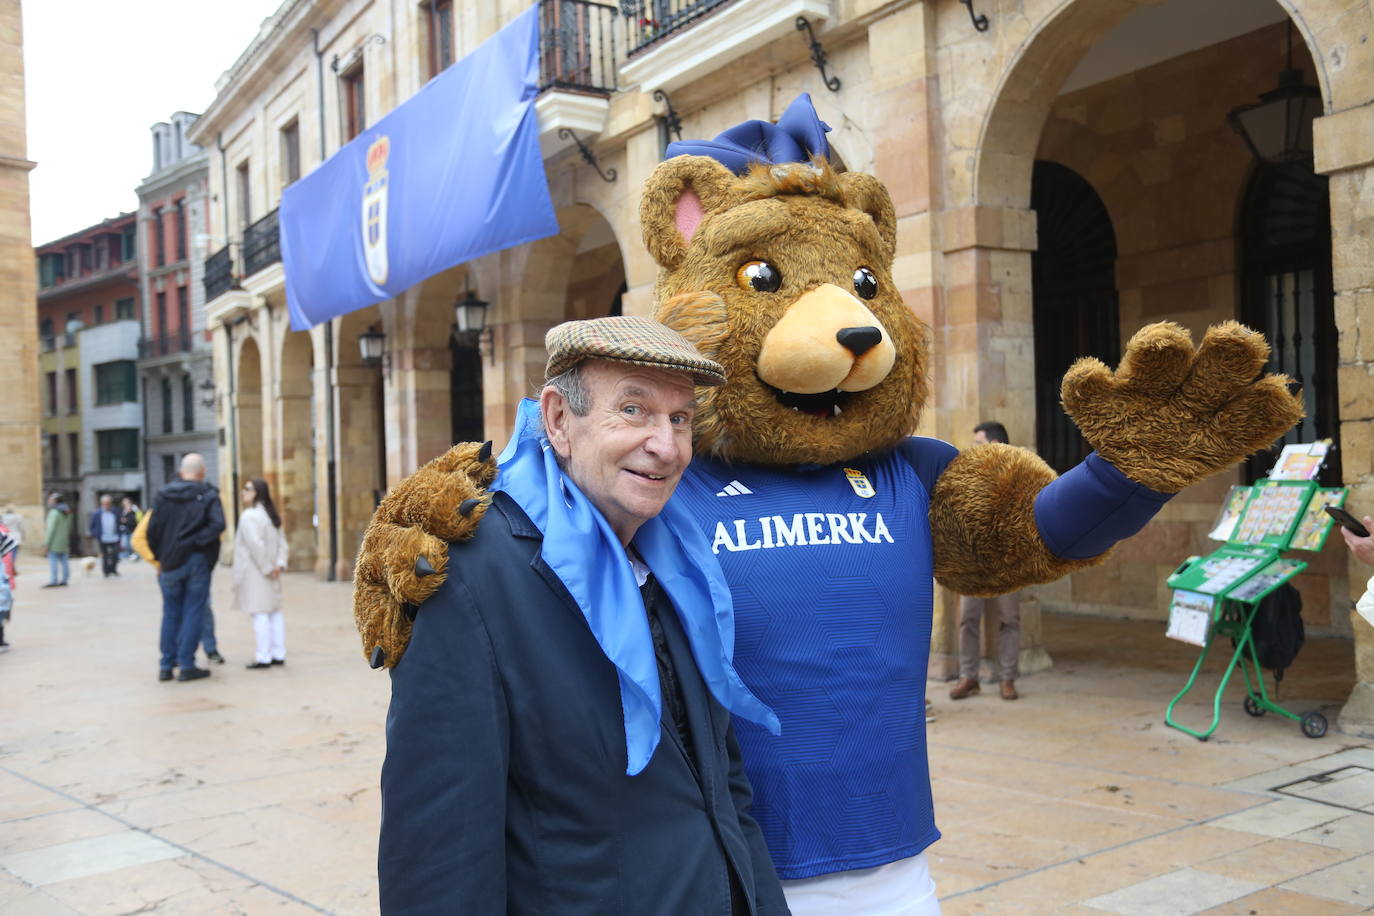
(57, 540)
(14, 522)
(105, 531)
(128, 521)
(183, 536)
(260, 558)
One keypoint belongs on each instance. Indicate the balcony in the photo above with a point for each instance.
(261, 245)
(219, 274)
(651, 21)
(178, 341)
(577, 46)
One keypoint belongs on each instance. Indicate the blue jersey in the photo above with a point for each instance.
(831, 570)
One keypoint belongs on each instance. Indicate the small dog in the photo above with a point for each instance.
(88, 565)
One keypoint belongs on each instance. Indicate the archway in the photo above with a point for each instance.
(361, 434)
(596, 276)
(295, 483)
(248, 456)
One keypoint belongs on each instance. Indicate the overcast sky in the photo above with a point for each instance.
(98, 74)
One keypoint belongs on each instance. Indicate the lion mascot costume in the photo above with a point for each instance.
(832, 523)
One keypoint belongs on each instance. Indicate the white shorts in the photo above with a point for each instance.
(901, 888)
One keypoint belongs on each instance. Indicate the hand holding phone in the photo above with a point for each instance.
(1347, 521)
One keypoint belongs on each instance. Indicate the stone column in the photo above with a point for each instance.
(1344, 145)
(359, 467)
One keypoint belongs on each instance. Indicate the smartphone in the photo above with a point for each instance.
(1348, 520)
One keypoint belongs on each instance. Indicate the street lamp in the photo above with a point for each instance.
(372, 346)
(1278, 128)
(470, 315)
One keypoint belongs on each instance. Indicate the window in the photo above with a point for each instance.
(245, 195)
(45, 328)
(291, 152)
(355, 109)
(161, 330)
(181, 229)
(124, 310)
(116, 382)
(159, 239)
(169, 468)
(183, 318)
(71, 390)
(166, 405)
(188, 404)
(54, 467)
(51, 269)
(439, 15)
(99, 316)
(129, 242)
(74, 453)
(117, 449)
(52, 394)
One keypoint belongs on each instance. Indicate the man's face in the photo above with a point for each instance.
(980, 437)
(105, 502)
(628, 453)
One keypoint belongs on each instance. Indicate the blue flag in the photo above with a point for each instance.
(452, 174)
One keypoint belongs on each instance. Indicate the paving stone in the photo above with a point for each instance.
(1275, 861)
(91, 856)
(1178, 893)
(1283, 817)
(1276, 901)
(1350, 882)
(1353, 833)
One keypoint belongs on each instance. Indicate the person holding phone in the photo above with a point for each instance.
(1363, 549)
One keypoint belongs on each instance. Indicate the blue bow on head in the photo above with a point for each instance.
(798, 135)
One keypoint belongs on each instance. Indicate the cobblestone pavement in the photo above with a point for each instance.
(256, 791)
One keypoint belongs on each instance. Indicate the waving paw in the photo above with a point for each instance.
(1170, 414)
(404, 556)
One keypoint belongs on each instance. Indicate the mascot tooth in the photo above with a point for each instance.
(831, 521)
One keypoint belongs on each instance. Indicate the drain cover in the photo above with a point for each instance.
(1349, 787)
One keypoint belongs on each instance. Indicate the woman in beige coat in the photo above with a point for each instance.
(259, 559)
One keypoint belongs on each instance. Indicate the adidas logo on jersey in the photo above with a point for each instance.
(735, 488)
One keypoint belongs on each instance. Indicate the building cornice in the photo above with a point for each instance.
(172, 176)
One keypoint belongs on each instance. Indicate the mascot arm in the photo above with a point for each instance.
(1169, 416)
(404, 556)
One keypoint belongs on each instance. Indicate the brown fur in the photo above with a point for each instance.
(1167, 417)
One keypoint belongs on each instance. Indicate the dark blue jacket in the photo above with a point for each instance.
(504, 787)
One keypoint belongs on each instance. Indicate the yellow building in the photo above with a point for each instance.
(1063, 172)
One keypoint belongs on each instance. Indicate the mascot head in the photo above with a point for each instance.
(779, 267)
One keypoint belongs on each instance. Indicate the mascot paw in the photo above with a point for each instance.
(1171, 415)
(404, 556)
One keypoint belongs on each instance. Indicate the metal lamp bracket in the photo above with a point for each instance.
(980, 21)
(670, 117)
(565, 133)
(818, 54)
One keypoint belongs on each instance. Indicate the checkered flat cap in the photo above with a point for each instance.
(626, 339)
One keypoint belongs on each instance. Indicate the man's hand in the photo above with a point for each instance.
(404, 556)
(1362, 548)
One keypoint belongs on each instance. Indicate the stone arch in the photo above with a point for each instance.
(248, 445)
(360, 433)
(295, 483)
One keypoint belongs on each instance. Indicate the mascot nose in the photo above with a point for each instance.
(859, 340)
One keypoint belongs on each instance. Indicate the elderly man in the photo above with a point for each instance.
(559, 737)
(183, 536)
(105, 532)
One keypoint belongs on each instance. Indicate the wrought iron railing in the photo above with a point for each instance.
(261, 244)
(651, 21)
(577, 46)
(178, 341)
(219, 274)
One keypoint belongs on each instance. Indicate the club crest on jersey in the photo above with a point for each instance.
(860, 483)
(374, 211)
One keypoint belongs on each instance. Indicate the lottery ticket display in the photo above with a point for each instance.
(1267, 579)
(1225, 525)
(1315, 524)
(1272, 512)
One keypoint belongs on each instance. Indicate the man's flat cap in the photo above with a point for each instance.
(627, 339)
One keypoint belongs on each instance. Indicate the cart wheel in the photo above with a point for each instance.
(1314, 725)
(1253, 707)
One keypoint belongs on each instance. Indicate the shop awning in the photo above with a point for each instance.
(452, 174)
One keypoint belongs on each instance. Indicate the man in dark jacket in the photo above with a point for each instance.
(105, 532)
(559, 738)
(183, 535)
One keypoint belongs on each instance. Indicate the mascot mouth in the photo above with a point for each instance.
(825, 405)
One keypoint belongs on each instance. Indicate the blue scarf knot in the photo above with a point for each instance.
(582, 550)
(798, 135)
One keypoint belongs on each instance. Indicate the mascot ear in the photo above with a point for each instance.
(869, 195)
(679, 194)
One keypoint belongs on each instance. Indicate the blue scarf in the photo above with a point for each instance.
(582, 550)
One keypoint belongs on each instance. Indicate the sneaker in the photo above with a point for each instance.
(164, 674)
(278, 661)
(192, 674)
(51, 584)
(215, 657)
(257, 665)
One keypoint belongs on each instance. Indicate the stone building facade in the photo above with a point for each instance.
(21, 484)
(88, 331)
(176, 378)
(1062, 172)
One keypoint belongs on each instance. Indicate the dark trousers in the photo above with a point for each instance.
(109, 558)
(185, 594)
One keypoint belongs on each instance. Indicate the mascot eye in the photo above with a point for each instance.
(759, 276)
(865, 284)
